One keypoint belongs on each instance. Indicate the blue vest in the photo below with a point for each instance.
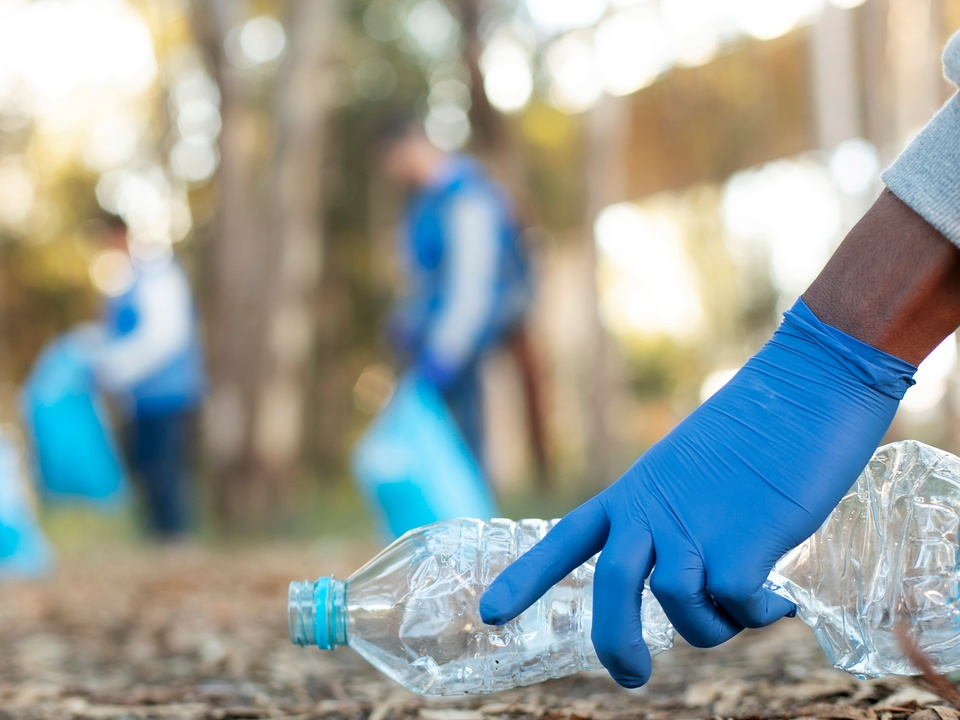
(427, 243)
(178, 384)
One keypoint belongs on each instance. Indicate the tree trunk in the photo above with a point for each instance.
(492, 140)
(266, 261)
(608, 125)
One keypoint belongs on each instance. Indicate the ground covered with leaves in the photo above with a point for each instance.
(200, 633)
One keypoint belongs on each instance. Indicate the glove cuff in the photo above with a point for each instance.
(885, 373)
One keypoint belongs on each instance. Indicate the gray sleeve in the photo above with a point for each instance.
(927, 175)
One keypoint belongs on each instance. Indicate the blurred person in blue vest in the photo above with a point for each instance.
(467, 277)
(152, 362)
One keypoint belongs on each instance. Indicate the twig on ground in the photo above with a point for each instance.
(939, 682)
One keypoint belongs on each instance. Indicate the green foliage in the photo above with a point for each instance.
(659, 367)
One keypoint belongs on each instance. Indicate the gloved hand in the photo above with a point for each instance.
(435, 370)
(711, 507)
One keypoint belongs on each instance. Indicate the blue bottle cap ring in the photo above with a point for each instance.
(321, 603)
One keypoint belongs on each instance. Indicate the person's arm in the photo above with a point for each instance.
(471, 262)
(895, 281)
(708, 511)
(164, 314)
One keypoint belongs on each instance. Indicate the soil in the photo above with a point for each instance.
(200, 633)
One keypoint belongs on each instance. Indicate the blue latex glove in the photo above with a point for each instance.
(710, 508)
(435, 371)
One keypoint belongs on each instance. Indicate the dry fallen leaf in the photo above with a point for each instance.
(910, 696)
(830, 711)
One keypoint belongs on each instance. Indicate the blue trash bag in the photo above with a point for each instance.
(414, 466)
(75, 453)
(24, 550)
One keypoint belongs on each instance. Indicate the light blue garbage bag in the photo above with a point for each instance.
(75, 453)
(24, 551)
(414, 465)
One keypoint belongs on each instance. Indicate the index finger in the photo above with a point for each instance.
(575, 539)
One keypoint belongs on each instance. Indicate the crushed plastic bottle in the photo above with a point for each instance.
(412, 612)
(888, 553)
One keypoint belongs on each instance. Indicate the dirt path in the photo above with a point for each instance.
(190, 633)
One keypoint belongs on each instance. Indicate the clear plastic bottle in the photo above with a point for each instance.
(887, 553)
(412, 612)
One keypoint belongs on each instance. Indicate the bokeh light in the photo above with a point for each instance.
(634, 42)
(374, 387)
(195, 107)
(16, 192)
(199, 118)
(449, 91)
(194, 159)
(574, 72)
(714, 381)
(647, 283)
(383, 20)
(933, 381)
(788, 211)
(556, 16)
(141, 196)
(112, 142)
(109, 49)
(632, 50)
(181, 216)
(447, 126)
(765, 20)
(431, 28)
(507, 75)
(258, 42)
(694, 29)
(447, 123)
(194, 85)
(374, 79)
(855, 166)
(111, 272)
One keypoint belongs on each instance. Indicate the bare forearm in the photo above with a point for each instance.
(893, 283)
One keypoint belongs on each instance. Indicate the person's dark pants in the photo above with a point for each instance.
(161, 443)
(465, 399)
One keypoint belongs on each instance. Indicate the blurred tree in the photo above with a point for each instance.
(266, 256)
(487, 124)
(492, 139)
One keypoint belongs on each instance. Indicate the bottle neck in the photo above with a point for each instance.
(317, 613)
